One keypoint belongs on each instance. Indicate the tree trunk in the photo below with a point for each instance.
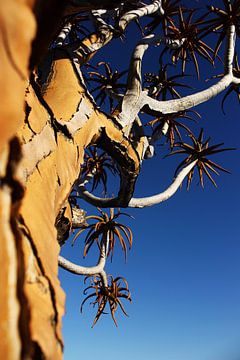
(42, 142)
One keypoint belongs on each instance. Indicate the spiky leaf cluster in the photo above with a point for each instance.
(116, 290)
(107, 229)
(171, 125)
(221, 20)
(97, 164)
(161, 85)
(192, 32)
(171, 8)
(108, 80)
(200, 151)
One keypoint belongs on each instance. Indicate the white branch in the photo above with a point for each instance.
(130, 104)
(229, 53)
(63, 34)
(98, 17)
(89, 270)
(133, 99)
(137, 13)
(81, 270)
(165, 195)
(186, 102)
(236, 81)
(145, 201)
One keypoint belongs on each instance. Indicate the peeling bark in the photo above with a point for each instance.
(53, 139)
(42, 145)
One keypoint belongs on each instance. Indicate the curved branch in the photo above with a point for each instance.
(165, 195)
(140, 12)
(187, 102)
(89, 270)
(81, 270)
(106, 32)
(146, 201)
(98, 201)
(98, 18)
(94, 200)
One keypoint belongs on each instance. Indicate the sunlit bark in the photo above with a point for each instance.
(46, 125)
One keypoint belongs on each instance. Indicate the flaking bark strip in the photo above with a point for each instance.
(40, 146)
(51, 287)
(79, 118)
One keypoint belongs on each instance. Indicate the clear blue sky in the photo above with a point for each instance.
(183, 269)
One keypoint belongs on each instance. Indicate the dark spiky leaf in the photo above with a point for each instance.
(106, 230)
(171, 8)
(171, 125)
(110, 79)
(112, 294)
(96, 163)
(160, 86)
(200, 151)
(193, 45)
(221, 19)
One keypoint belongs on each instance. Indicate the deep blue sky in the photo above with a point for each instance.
(183, 269)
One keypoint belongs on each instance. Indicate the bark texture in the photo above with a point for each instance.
(42, 141)
(17, 30)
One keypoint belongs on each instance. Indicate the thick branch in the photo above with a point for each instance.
(106, 31)
(137, 13)
(133, 99)
(229, 53)
(109, 135)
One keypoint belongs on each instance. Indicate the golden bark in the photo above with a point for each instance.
(17, 29)
(42, 142)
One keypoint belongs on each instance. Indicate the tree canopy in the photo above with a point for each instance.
(91, 93)
(154, 107)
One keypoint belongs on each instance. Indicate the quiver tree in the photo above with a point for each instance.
(49, 118)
